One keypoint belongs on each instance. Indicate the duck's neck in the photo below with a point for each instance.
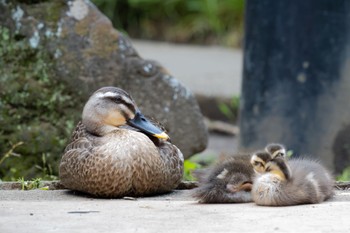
(97, 127)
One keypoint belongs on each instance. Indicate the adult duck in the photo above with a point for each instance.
(115, 151)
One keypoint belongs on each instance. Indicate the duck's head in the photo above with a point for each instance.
(111, 107)
(276, 150)
(259, 160)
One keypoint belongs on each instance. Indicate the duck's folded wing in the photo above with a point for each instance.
(79, 139)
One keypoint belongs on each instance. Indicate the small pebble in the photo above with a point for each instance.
(130, 198)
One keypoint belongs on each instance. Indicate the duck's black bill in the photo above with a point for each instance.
(142, 123)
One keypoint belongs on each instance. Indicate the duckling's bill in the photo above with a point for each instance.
(142, 123)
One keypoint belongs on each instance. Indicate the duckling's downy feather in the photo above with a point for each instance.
(227, 182)
(309, 183)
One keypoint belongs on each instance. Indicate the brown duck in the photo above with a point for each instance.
(115, 151)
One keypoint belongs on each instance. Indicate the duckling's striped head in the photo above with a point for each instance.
(259, 160)
(264, 162)
(276, 150)
(110, 107)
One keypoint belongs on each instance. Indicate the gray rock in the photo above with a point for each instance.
(89, 53)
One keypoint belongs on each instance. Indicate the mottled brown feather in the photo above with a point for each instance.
(124, 162)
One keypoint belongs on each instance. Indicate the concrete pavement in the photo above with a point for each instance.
(62, 211)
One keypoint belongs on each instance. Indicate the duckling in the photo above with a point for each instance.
(276, 150)
(227, 182)
(282, 183)
(260, 158)
(115, 151)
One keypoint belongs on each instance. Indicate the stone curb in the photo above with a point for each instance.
(56, 185)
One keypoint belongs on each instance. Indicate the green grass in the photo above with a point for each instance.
(230, 109)
(10, 152)
(30, 185)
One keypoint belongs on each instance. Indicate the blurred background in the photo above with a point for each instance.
(185, 36)
(293, 71)
(204, 22)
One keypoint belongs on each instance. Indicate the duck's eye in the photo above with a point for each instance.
(117, 99)
(268, 169)
(256, 163)
(280, 154)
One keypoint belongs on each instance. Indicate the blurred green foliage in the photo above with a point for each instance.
(230, 109)
(35, 108)
(189, 167)
(190, 21)
(345, 175)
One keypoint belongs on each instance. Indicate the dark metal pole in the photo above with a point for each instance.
(296, 77)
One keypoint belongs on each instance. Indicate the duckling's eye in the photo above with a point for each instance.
(280, 154)
(256, 163)
(268, 169)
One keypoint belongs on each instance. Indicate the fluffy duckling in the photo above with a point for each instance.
(297, 181)
(260, 158)
(227, 182)
(276, 150)
(115, 151)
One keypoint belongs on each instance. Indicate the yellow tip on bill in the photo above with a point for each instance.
(162, 136)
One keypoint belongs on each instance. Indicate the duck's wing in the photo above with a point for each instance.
(173, 161)
(79, 139)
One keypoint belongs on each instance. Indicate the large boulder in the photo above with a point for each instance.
(88, 53)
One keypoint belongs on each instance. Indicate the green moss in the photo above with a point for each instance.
(103, 45)
(35, 108)
(51, 14)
